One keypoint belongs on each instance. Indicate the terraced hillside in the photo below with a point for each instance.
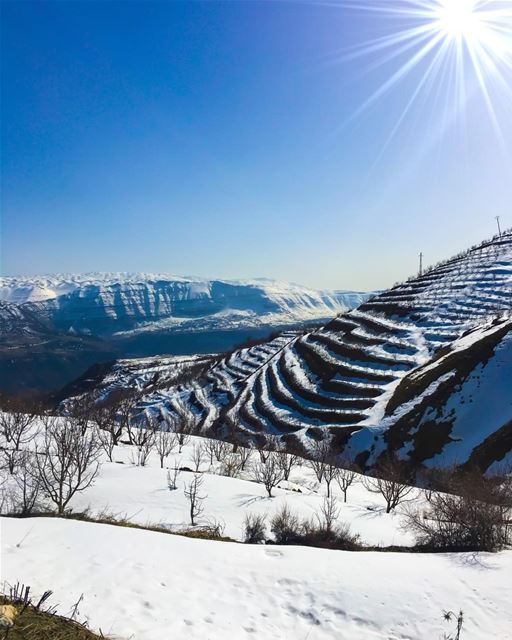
(344, 378)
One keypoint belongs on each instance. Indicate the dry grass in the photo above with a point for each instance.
(33, 623)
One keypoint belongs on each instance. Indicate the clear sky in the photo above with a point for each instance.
(219, 139)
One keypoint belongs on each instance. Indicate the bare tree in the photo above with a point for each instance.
(269, 473)
(172, 476)
(209, 447)
(183, 441)
(221, 449)
(193, 495)
(345, 479)
(287, 462)
(106, 441)
(230, 466)
(331, 472)
(182, 424)
(144, 440)
(67, 462)
(17, 432)
(125, 410)
(390, 483)
(198, 456)
(244, 455)
(28, 485)
(106, 419)
(321, 451)
(83, 410)
(165, 443)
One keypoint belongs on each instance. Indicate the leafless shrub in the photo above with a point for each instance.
(329, 513)
(254, 528)
(477, 518)
(286, 526)
(193, 495)
(213, 528)
(269, 473)
(172, 476)
(67, 462)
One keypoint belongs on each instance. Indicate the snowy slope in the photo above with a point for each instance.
(103, 304)
(343, 379)
(470, 407)
(195, 589)
(143, 585)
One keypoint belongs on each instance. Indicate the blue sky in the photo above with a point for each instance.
(215, 139)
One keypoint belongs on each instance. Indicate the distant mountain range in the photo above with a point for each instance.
(423, 370)
(107, 304)
(51, 327)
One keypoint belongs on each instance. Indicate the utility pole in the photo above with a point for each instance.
(421, 264)
(499, 227)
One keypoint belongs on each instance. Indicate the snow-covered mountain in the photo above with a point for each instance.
(422, 369)
(106, 304)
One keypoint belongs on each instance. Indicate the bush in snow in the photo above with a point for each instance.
(254, 528)
(286, 526)
(477, 519)
(326, 532)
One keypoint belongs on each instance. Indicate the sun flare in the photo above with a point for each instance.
(453, 49)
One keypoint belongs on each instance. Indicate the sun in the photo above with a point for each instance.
(460, 19)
